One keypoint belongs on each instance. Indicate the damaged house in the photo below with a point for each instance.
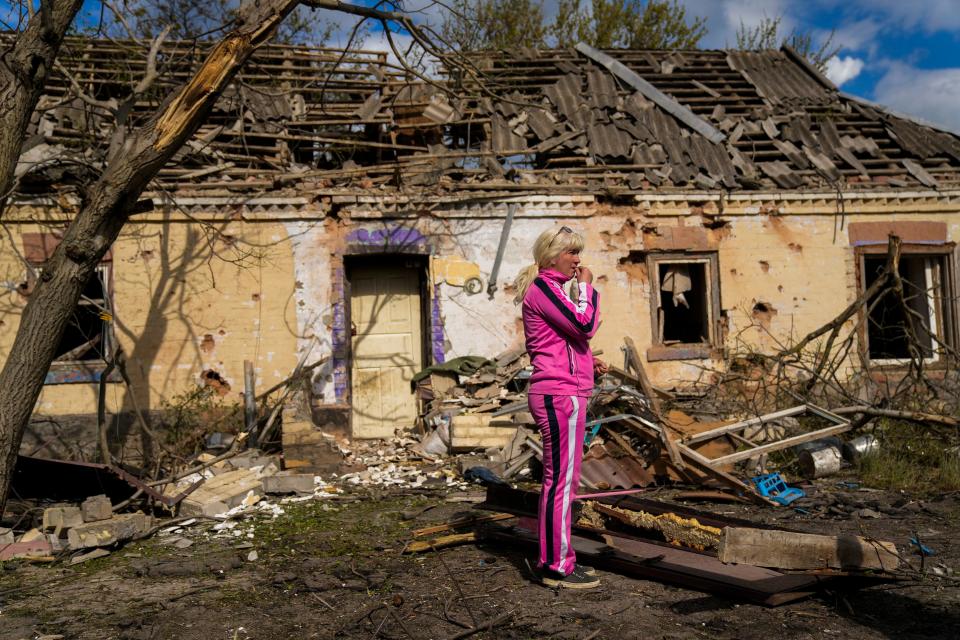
(332, 205)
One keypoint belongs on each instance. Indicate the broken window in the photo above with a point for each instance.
(87, 336)
(87, 340)
(685, 297)
(928, 290)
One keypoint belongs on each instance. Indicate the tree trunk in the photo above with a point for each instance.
(107, 206)
(23, 75)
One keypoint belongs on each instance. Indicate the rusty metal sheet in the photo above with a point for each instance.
(606, 471)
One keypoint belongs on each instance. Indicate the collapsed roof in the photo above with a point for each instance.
(556, 121)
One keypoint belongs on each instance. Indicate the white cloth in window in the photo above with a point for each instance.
(677, 281)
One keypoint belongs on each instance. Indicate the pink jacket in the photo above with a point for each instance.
(558, 335)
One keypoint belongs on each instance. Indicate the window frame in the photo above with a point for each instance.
(78, 371)
(946, 315)
(685, 350)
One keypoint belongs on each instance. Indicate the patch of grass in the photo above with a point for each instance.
(913, 458)
(328, 529)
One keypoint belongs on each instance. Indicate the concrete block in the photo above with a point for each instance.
(31, 536)
(221, 493)
(29, 549)
(307, 449)
(90, 555)
(253, 458)
(289, 483)
(61, 518)
(476, 431)
(101, 533)
(96, 508)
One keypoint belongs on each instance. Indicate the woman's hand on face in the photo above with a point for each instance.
(584, 274)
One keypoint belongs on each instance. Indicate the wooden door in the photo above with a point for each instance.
(387, 347)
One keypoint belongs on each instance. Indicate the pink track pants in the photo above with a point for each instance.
(561, 421)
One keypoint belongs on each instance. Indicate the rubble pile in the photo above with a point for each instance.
(631, 439)
(472, 403)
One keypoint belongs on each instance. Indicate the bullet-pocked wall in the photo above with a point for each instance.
(189, 298)
(199, 288)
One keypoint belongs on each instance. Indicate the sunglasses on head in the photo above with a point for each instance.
(563, 229)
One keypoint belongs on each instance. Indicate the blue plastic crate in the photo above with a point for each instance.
(772, 486)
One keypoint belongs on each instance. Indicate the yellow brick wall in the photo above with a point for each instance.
(188, 297)
(194, 295)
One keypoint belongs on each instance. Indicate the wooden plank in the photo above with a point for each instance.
(442, 542)
(743, 424)
(634, 359)
(662, 100)
(779, 445)
(675, 566)
(705, 465)
(788, 550)
(460, 523)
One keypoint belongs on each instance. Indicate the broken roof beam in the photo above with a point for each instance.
(665, 102)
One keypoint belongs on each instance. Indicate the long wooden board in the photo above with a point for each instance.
(670, 565)
(789, 550)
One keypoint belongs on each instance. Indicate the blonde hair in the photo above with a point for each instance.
(548, 245)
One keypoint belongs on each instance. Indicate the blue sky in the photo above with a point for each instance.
(904, 54)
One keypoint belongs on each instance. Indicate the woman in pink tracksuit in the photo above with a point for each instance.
(558, 331)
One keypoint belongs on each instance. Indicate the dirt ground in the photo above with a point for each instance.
(334, 569)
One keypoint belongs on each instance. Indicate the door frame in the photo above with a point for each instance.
(343, 348)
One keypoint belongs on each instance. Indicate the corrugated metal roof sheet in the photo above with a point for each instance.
(607, 471)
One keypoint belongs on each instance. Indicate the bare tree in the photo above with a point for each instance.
(477, 25)
(133, 160)
(634, 24)
(24, 68)
(767, 35)
(190, 19)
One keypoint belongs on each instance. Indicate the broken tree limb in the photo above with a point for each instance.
(489, 624)
(107, 206)
(419, 546)
(913, 416)
(789, 550)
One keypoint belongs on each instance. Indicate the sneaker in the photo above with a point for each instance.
(576, 580)
(590, 571)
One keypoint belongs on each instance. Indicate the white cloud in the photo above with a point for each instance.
(841, 69)
(930, 15)
(860, 35)
(931, 94)
(725, 16)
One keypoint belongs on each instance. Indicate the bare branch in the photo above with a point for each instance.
(151, 73)
(83, 95)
